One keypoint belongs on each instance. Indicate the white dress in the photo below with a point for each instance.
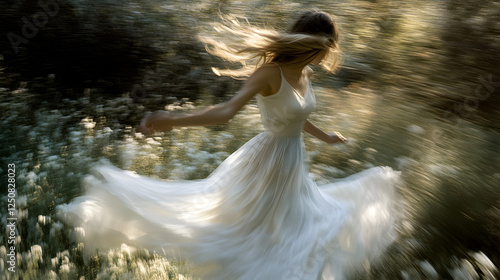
(257, 216)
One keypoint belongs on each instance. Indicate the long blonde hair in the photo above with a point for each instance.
(252, 46)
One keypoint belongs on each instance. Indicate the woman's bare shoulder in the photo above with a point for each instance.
(270, 71)
(271, 74)
(309, 72)
(269, 68)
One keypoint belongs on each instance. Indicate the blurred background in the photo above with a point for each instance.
(418, 91)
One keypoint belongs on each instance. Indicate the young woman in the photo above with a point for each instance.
(258, 215)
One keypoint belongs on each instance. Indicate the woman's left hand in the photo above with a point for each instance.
(336, 137)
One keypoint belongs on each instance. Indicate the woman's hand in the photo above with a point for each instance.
(157, 121)
(335, 137)
(330, 138)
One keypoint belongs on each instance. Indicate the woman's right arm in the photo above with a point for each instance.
(216, 114)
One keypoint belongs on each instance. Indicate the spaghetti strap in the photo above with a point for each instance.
(281, 71)
(284, 80)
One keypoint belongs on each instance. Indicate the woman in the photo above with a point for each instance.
(258, 215)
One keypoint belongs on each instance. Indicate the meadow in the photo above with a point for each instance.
(413, 94)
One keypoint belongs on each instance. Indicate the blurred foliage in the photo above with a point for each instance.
(80, 45)
(111, 60)
(440, 52)
(112, 46)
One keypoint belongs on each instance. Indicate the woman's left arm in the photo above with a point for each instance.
(330, 138)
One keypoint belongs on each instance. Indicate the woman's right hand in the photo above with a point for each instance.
(156, 121)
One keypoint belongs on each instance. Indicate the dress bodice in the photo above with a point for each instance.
(285, 112)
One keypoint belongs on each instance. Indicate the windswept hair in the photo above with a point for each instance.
(252, 46)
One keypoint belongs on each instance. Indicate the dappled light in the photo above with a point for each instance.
(418, 91)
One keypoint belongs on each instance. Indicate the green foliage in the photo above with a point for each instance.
(117, 59)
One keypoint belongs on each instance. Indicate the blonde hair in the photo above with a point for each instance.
(252, 46)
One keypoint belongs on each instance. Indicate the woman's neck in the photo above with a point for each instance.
(293, 69)
(297, 65)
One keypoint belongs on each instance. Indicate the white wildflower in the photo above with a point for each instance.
(3, 252)
(428, 270)
(41, 219)
(486, 266)
(36, 253)
(138, 135)
(22, 201)
(88, 123)
(51, 275)
(54, 262)
(64, 269)
(57, 226)
(151, 141)
(464, 271)
(78, 234)
(415, 129)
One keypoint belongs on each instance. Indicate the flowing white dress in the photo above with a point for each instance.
(257, 216)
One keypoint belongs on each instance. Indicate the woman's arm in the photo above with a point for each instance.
(216, 114)
(330, 138)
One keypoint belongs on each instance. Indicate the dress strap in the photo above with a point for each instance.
(278, 67)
